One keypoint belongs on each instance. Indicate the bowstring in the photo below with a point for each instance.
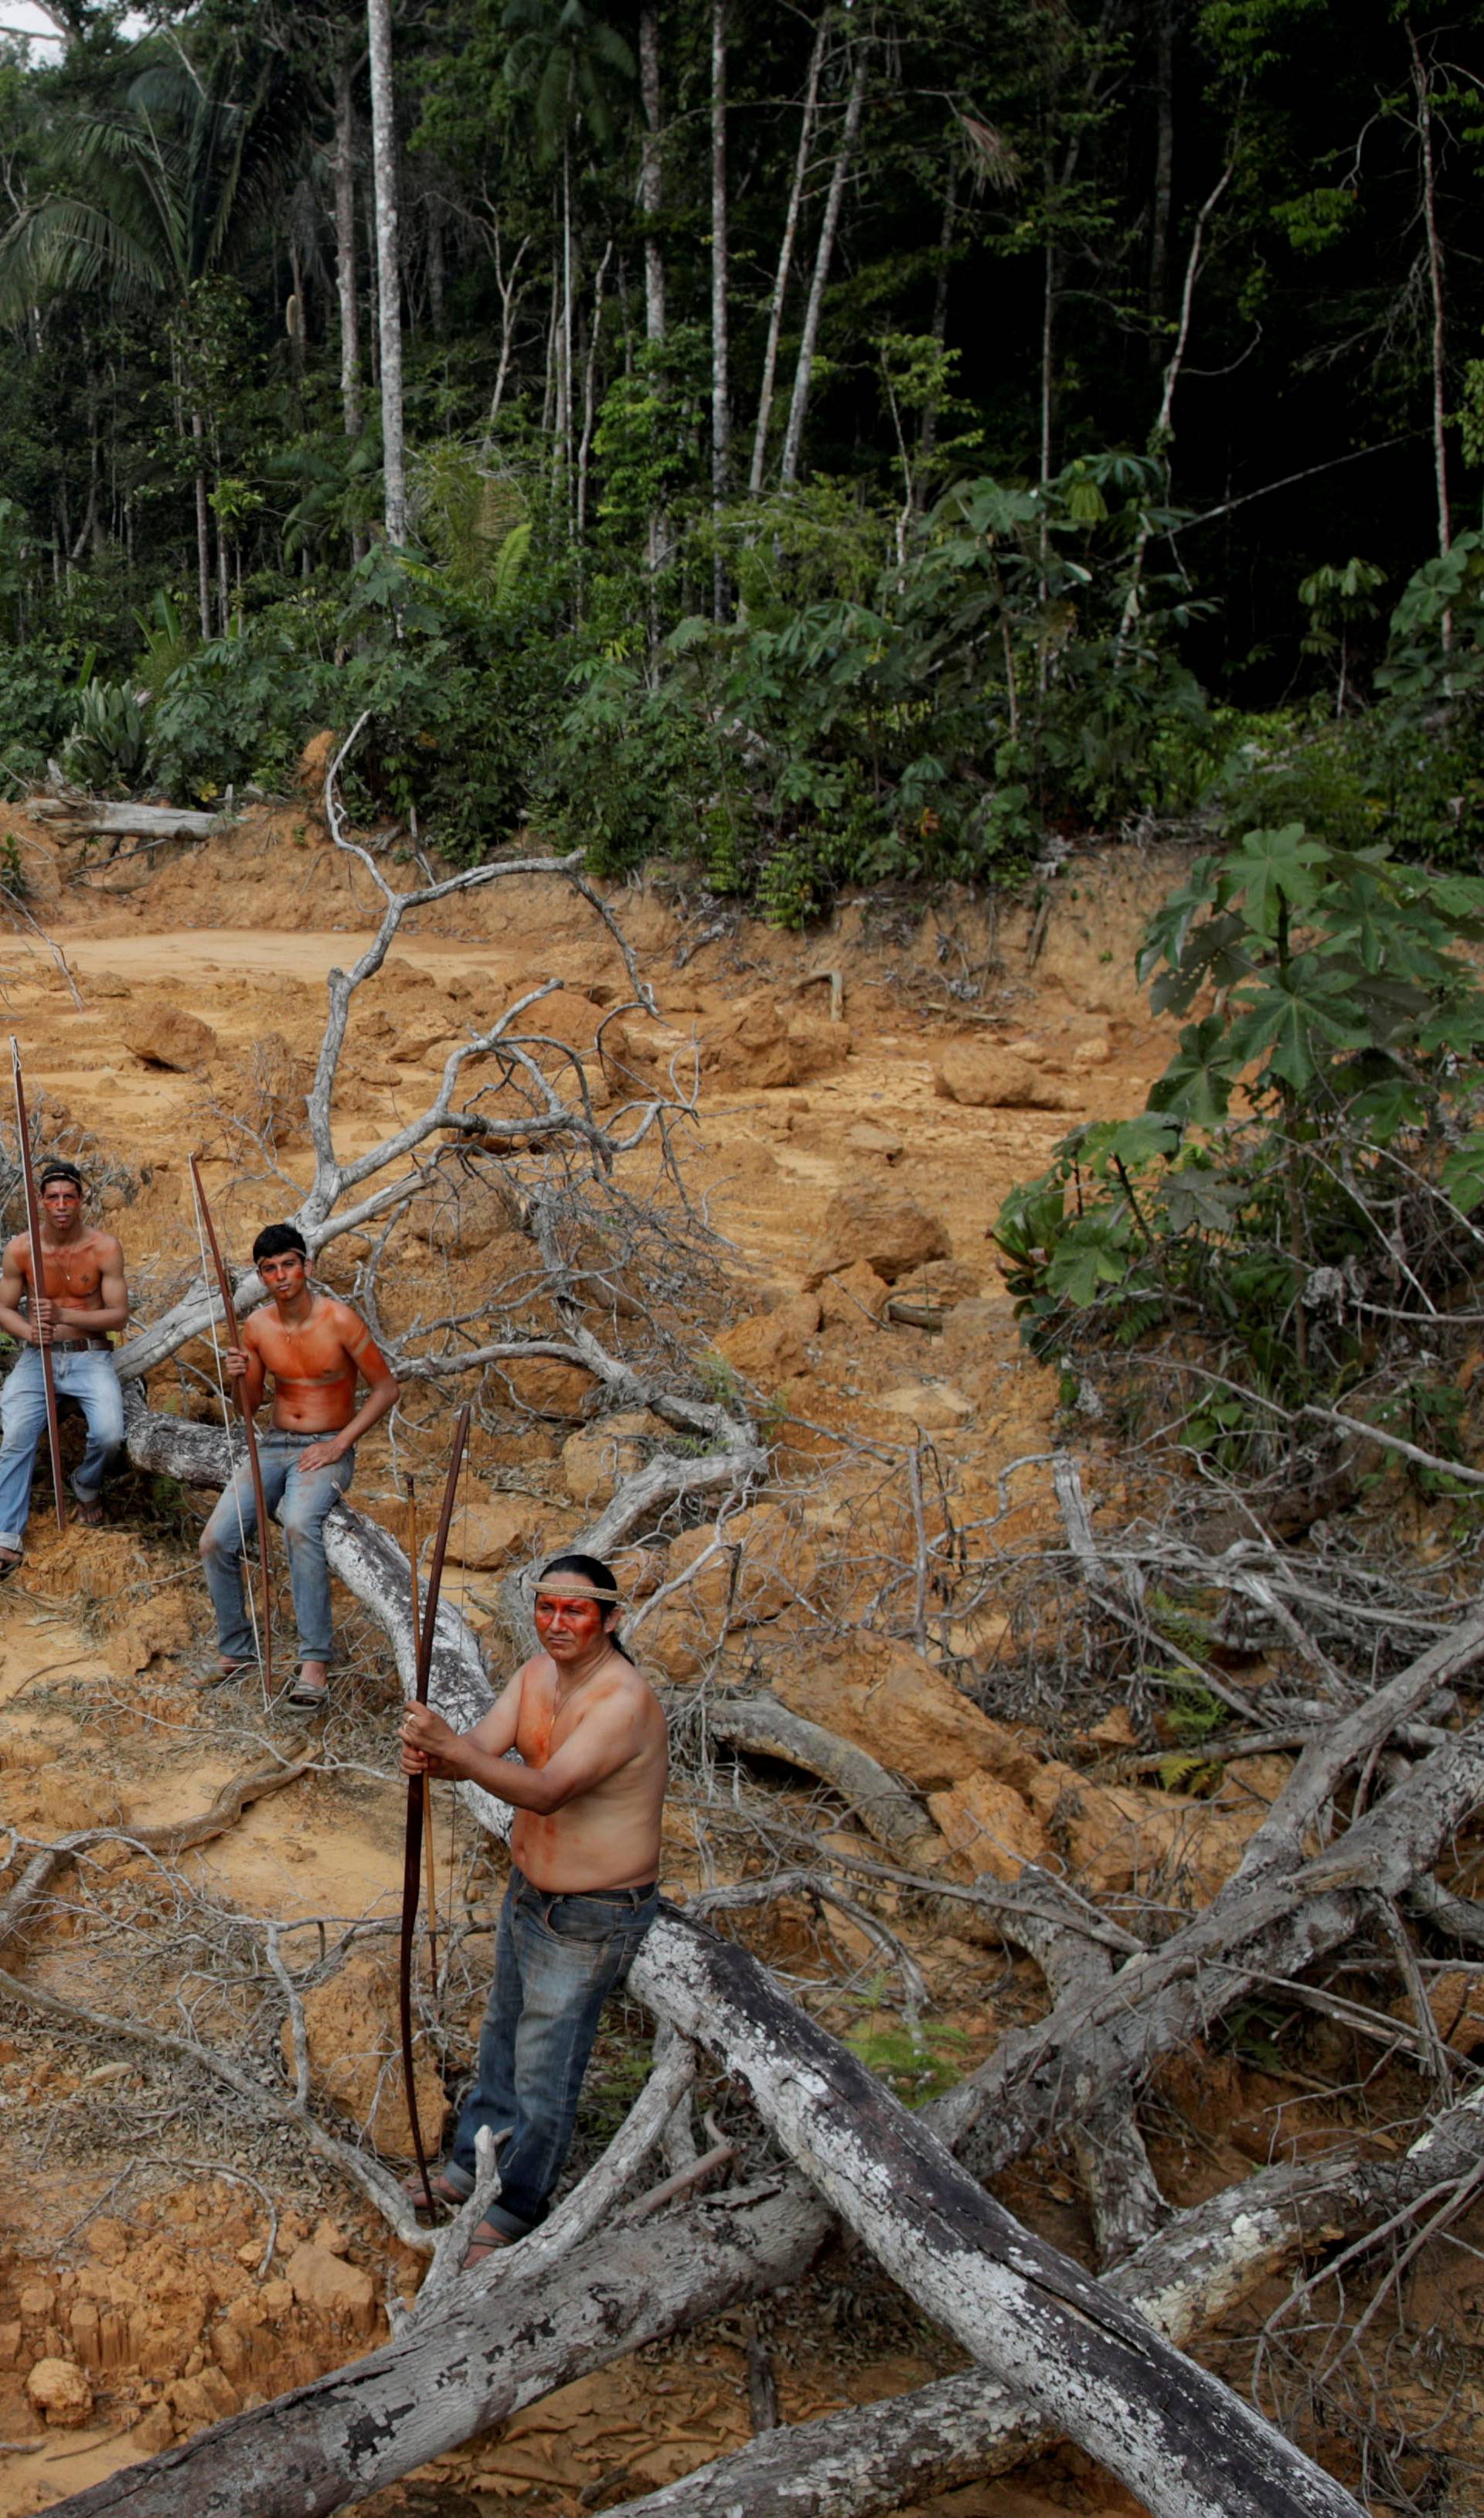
(227, 1419)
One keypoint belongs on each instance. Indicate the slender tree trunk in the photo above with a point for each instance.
(590, 390)
(297, 325)
(721, 391)
(510, 298)
(1421, 80)
(202, 525)
(927, 435)
(388, 266)
(651, 171)
(565, 368)
(794, 435)
(435, 266)
(1163, 176)
(786, 256)
(352, 412)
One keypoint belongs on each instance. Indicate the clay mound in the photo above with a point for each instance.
(995, 1080)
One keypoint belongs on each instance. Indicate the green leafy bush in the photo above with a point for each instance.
(1307, 1157)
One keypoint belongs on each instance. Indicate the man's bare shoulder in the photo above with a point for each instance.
(17, 1250)
(106, 1246)
(347, 1324)
(623, 1685)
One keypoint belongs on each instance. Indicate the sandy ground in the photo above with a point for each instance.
(95, 1724)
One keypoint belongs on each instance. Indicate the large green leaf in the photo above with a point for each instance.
(1278, 867)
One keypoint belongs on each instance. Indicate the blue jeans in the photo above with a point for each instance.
(305, 1501)
(556, 1961)
(89, 1378)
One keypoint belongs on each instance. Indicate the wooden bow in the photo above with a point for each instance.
(411, 1874)
(234, 1338)
(38, 1284)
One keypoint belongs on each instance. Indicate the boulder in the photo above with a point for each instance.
(941, 1286)
(488, 1535)
(985, 1078)
(853, 1294)
(990, 1827)
(550, 1387)
(886, 1228)
(596, 1461)
(351, 2030)
(59, 2393)
(772, 1561)
(326, 2284)
(768, 1346)
(165, 1035)
(757, 1046)
(893, 1702)
(467, 1213)
(876, 1143)
(1121, 1838)
(933, 1406)
(314, 763)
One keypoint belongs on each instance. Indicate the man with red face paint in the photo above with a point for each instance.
(80, 1299)
(587, 1797)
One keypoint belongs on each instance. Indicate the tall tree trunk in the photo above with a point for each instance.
(435, 266)
(202, 525)
(794, 435)
(564, 363)
(927, 434)
(651, 171)
(786, 257)
(388, 267)
(1421, 80)
(510, 298)
(1163, 176)
(590, 390)
(721, 393)
(352, 412)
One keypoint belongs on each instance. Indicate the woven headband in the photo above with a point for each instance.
(574, 1587)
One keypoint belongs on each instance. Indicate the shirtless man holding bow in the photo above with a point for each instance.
(316, 1348)
(82, 1298)
(585, 1845)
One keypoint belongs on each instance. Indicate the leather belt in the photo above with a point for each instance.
(78, 1346)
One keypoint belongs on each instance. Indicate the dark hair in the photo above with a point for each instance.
(61, 1171)
(276, 1240)
(602, 1578)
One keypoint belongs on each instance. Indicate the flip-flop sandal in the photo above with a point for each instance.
(88, 1516)
(485, 2241)
(217, 1679)
(443, 2192)
(307, 1699)
(10, 1565)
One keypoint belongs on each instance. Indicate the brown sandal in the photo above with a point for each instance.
(485, 2241)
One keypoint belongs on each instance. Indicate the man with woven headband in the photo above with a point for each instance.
(587, 1797)
(81, 1298)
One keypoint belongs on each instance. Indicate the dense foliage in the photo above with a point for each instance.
(840, 445)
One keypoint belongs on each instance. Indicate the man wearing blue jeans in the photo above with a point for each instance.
(587, 1795)
(81, 1300)
(316, 1350)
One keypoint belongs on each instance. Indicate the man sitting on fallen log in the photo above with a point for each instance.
(585, 1845)
(83, 1298)
(316, 1350)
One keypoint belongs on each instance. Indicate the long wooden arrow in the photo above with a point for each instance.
(38, 1284)
(412, 1869)
(254, 1466)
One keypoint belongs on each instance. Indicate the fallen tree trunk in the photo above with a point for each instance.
(89, 816)
(871, 2458)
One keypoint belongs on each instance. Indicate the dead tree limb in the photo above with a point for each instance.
(886, 1808)
(1274, 1925)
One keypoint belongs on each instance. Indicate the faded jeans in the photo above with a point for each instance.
(306, 1500)
(91, 1379)
(556, 1961)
